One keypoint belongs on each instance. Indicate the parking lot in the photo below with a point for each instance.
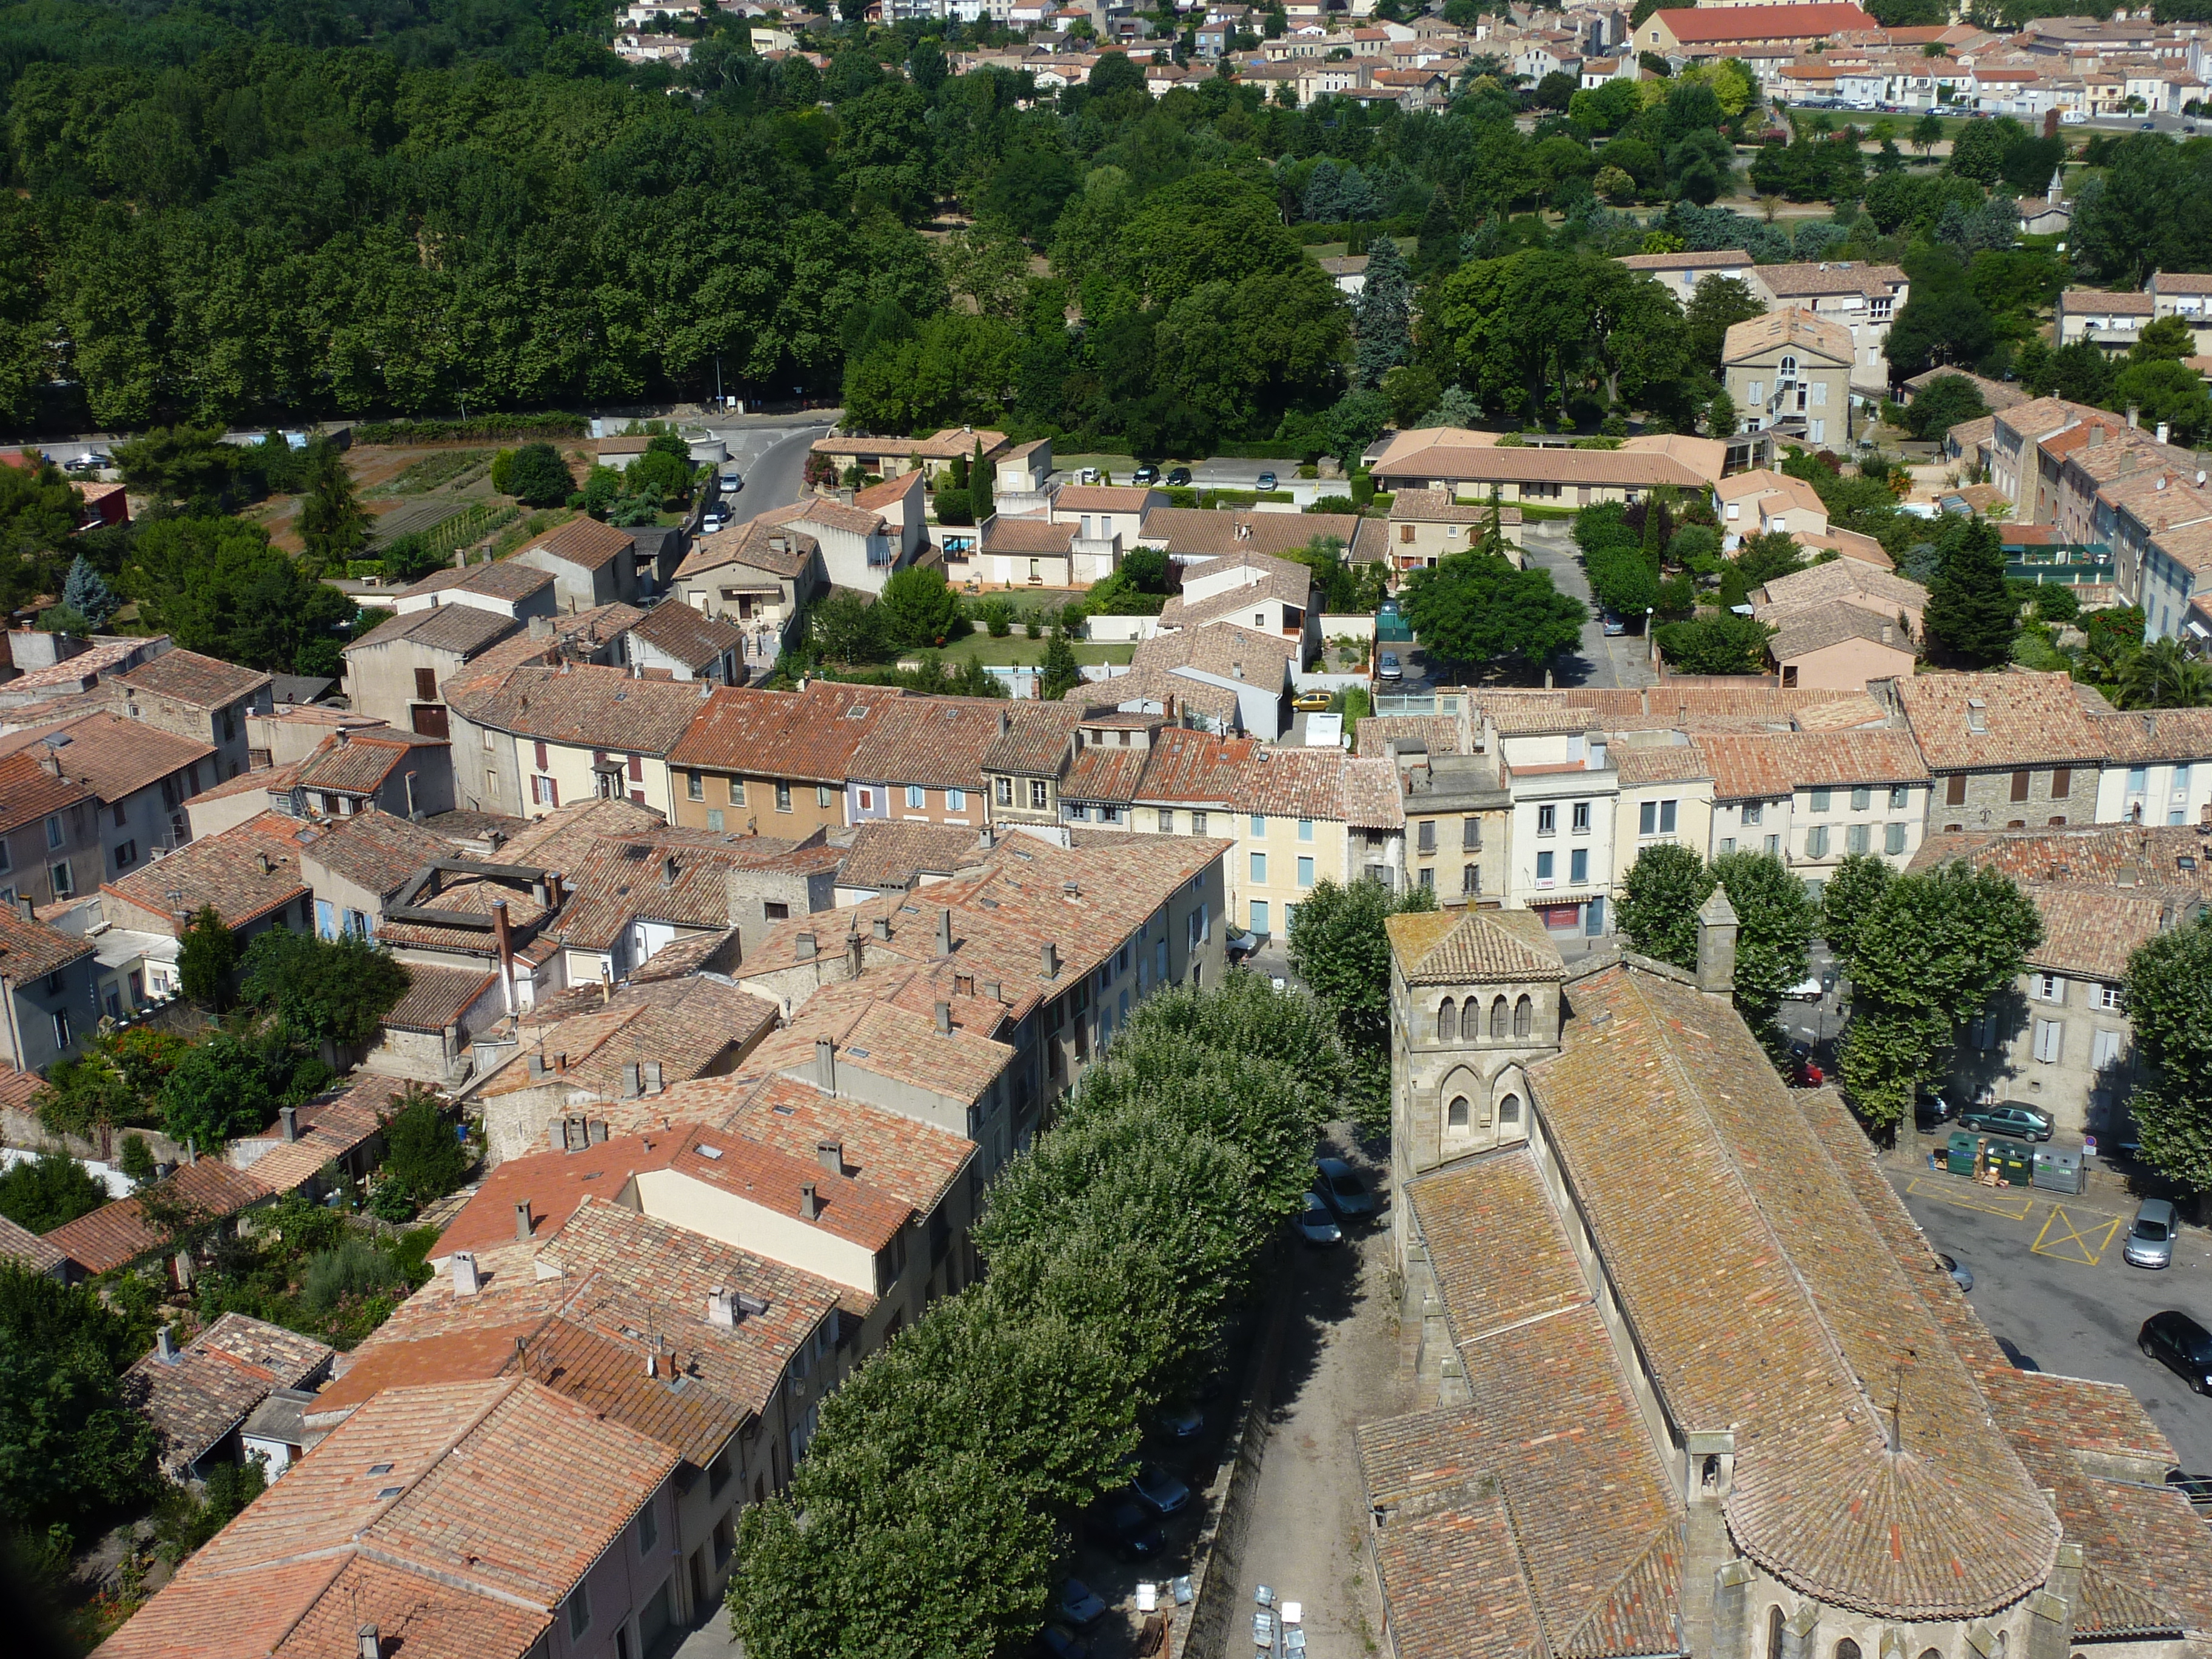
(2049, 1284)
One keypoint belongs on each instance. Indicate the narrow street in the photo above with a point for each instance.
(1600, 662)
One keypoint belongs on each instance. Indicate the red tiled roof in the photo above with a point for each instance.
(190, 678)
(373, 849)
(329, 1128)
(31, 949)
(29, 791)
(810, 736)
(1775, 22)
(585, 543)
(111, 755)
(2030, 720)
(20, 1244)
(553, 1184)
(115, 1234)
(247, 871)
(936, 742)
(218, 1377)
(693, 638)
(582, 705)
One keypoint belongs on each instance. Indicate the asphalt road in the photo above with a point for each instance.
(772, 460)
(1600, 662)
(2049, 1284)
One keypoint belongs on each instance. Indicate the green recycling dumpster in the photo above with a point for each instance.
(2015, 1164)
(1958, 1155)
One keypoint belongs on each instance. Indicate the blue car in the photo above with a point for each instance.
(1340, 1187)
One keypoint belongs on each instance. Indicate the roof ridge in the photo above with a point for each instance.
(1669, 1530)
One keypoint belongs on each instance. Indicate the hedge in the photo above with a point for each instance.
(487, 427)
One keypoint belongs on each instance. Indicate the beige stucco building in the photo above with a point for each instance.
(1789, 373)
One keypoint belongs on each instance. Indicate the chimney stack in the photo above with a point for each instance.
(831, 1156)
(466, 1282)
(1050, 954)
(24, 908)
(883, 927)
(944, 931)
(290, 1118)
(806, 947)
(165, 1346)
(629, 1081)
(721, 1309)
(522, 1222)
(2134, 417)
(853, 950)
(2165, 430)
(944, 1019)
(1716, 930)
(650, 1079)
(371, 1648)
(262, 860)
(538, 1064)
(810, 1205)
(825, 1065)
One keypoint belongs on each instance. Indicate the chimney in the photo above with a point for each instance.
(2164, 430)
(853, 949)
(538, 1064)
(831, 1156)
(2134, 417)
(466, 1282)
(1006, 722)
(806, 947)
(944, 1019)
(371, 1648)
(1888, 633)
(1050, 953)
(165, 1346)
(1716, 929)
(262, 858)
(290, 1116)
(944, 931)
(668, 870)
(883, 927)
(522, 1222)
(721, 1309)
(810, 1203)
(990, 990)
(629, 1081)
(2097, 436)
(1073, 890)
(23, 907)
(596, 1132)
(191, 1152)
(846, 495)
(825, 1065)
(556, 1134)
(652, 1079)
(541, 628)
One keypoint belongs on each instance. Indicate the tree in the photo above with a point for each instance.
(1971, 615)
(218, 1091)
(73, 1444)
(424, 1158)
(2162, 675)
(207, 953)
(917, 610)
(2164, 339)
(2166, 394)
(218, 587)
(86, 594)
(334, 990)
(1382, 314)
(180, 465)
(1853, 889)
(843, 626)
(538, 477)
(1941, 404)
(1343, 955)
(332, 525)
(1474, 608)
(979, 485)
(1776, 919)
(1927, 132)
(1061, 673)
(2168, 994)
(1659, 901)
(40, 1194)
(1716, 644)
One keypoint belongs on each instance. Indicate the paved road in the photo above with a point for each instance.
(1340, 1369)
(1600, 662)
(2049, 1284)
(773, 460)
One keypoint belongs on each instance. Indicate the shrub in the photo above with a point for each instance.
(354, 1267)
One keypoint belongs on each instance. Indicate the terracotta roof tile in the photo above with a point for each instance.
(329, 1128)
(116, 1234)
(1450, 947)
(888, 854)
(809, 736)
(936, 742)
(110, 755)
(693, 638)
(463, 629)
(219, 1377)
(358, 764)
(437, 997)
(1212, 532)
(1035, 737)
(583, 542)
(2159, 734)
(27, 1247)
(190, 678)
(2029, 720)
(583, 705)
(1769, 765)
(31, 949)
(685, 1026)
(373, 849)
(246, 872)
(29, 792)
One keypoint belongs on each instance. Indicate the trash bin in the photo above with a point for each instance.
(2014, 1165)
(1959, 1153)
(2057, 1169)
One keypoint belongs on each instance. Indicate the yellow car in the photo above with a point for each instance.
(1310, 701)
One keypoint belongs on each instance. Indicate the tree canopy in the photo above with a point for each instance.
(1474, 608)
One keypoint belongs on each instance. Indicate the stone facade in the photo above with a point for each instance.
(2017, 798)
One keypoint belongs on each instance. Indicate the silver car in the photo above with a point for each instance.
(2150, 1241)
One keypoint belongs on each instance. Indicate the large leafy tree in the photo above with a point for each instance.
(219, 1090)
(1776, 919)
(219, 587)
(73, 1444)
(1854, 888)
(1343, 954)
(1383, 315)
(41, 1193)
(1718, 304)
(323, 990)
(916, 609)
(1475, 609)
(207, 955)
(1659, 901)
(2168, 990)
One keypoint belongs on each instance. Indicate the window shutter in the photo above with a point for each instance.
(637, 769)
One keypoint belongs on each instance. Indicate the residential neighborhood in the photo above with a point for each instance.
(975, 827)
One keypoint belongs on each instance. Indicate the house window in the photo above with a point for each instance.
(54, 830)
(1656, 818)
(1447, 1020)
(1816, 842)
(1753, 811)
(1259, 824)
(1774, 1622)
(1198, 823)
(1524, 1016)
(1004, 789)
(1954, 790)
(648, 1531)
(545, 792)
(2049, 988)
(916, 797)
(1260, 867)
(426, 685)
(714, 820)
(126, 854)
(1858, 838)
(2062, 782)
(1305, 873)
(1547, 820)
(1455, 1115)
(579, 1611)
(956, 800)
(1578, 866)
(1862, 800)
(2108, 996)
(491, 784)
(775, 909)
(2049, 1040)
(2020, 782)
(1544, 869)
(1581, 819)
(1427, 838)
(541, 756)
(64, 880)
(1305, 829)
(867, 800)
(824, 796)
(1498, 1016)
(1259, 915)
(1470, 1020)
(1470, 878)
(61, 1030)
(1428, 877)
(1470, 835)
(1820, 800)
(1036, 794)
(1892, 838)
(694, 786)
(1728, 843)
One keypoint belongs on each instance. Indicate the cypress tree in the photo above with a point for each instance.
(1972, 614)
(1384, 312)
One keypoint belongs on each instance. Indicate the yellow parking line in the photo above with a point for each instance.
(2091, 1243)
(1966, 1197)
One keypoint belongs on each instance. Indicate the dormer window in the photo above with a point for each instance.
(1978, 716)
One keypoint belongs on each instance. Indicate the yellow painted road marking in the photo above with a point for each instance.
(2091, 1242)
(2011, 1203)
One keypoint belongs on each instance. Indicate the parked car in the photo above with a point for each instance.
(2197, 1488)
(2007, 1119)
(1804, 1071)
(1179, 479)
(1310, 701)
(1123, 1526)
(732, 481)
(1078, 1605)
(1158, 1490)
(1145, 475)
(2150, 1241)
(1266, 481)
(1340, 1187)
(1930, 1108)
(1388, 667)
(1614, 628)
(1316, 1223)
(1088, 475)
(714, 517)
(1181, 1420)
(1058, 1642)
(2150, 126)
(1807, 989)
(1961, 1275)
(2181, 1345)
